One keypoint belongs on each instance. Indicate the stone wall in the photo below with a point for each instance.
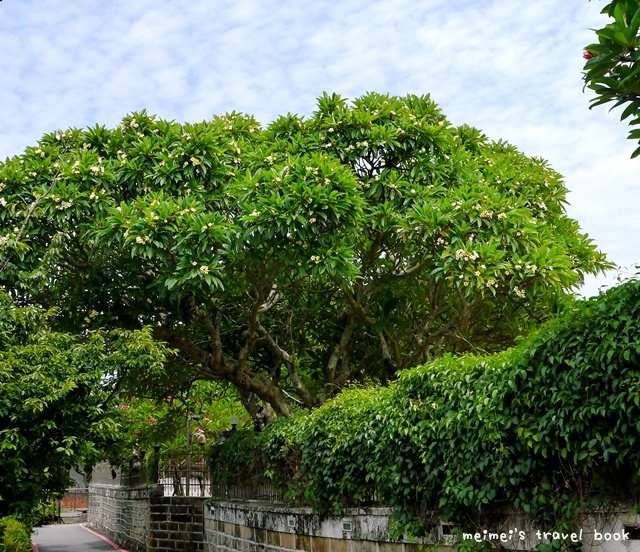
(251, 526)
(122, 514)
(142, 520)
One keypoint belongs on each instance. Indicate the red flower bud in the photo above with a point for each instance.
(587, 54)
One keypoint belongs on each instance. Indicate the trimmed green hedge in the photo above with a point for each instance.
(14, 536)
(549, 427)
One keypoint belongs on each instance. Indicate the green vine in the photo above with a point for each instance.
(549, 428)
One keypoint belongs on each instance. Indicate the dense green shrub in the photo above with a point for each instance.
(241, 458)
(247, 457)
(41, 513)
(14, 536)
(335, 443)
(575, 404)
(549, 427)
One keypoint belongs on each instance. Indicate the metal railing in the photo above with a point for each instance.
(180, 481)
(179, 478)
(262, 489)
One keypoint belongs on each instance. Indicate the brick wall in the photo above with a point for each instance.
(176, 524)
(75, 499)
(142, 520)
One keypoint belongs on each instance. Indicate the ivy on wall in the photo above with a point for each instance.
(549, 427)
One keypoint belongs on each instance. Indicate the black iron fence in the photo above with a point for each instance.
(262, 489)
(180, 480)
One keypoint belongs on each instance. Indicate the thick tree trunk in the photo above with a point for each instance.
(338, 352)
(212, 366)
(264, 388)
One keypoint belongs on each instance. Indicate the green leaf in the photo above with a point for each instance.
(631, 109)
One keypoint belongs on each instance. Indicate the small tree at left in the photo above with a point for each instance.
(55, 394)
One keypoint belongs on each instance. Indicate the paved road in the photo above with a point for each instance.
(70, 538)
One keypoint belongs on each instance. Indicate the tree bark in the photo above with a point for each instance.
(230, 370)
(338, 351)
(292, 370)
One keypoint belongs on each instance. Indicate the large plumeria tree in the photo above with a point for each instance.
(292, 259)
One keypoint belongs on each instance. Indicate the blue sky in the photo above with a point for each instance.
(509, 67)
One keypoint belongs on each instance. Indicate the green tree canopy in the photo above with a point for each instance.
(54, 400)
(612, 69)
(291, 259)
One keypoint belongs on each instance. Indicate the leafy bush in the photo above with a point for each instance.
(240, 459)
(549, 427)
(248, 457)
(334, 443)
(42, 513)
(55, 387)
(14, 536)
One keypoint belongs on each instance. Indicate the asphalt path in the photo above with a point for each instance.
(70, 538)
